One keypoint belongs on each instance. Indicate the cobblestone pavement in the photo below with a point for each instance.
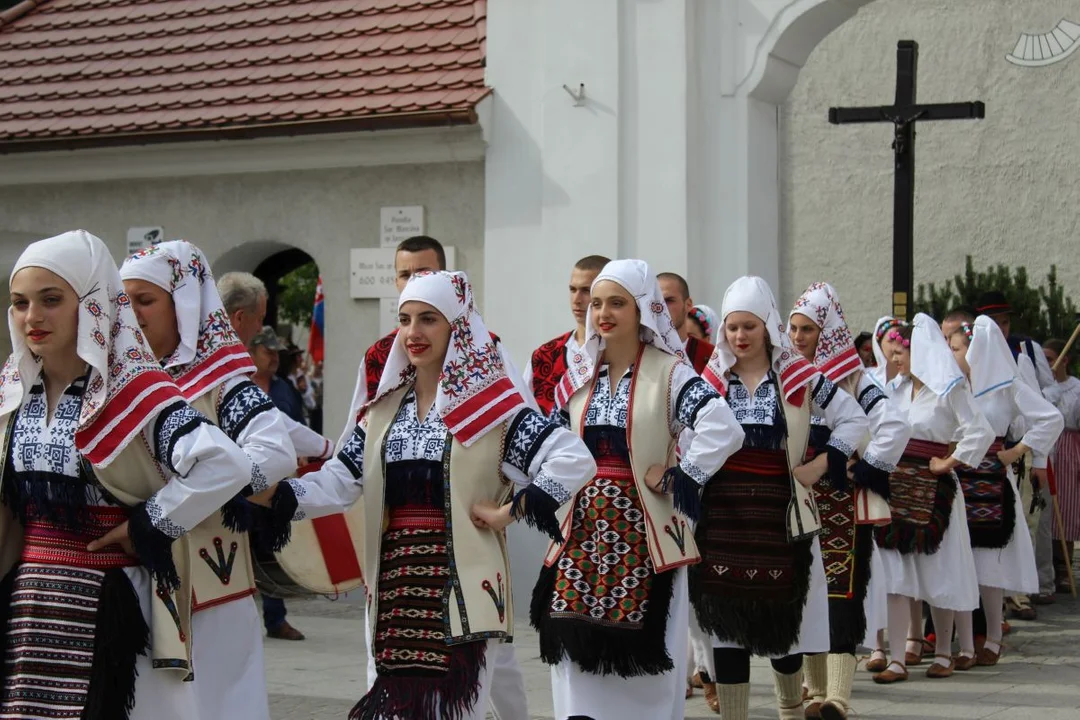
(1037, 678)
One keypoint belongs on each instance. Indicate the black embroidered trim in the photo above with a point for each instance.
(240, 405)
(870, 397)
(153, 547)
(173, 423)
(824, 392)
(693, 396)
(525, 437)
(352, 453)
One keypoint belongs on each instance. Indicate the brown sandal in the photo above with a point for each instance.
(876, 665)
(912, 659)
(712, 698)
(889, 676)
(937, 671)
(987, 658)
(964, 663)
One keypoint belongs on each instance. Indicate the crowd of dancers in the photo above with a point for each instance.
(714, 486)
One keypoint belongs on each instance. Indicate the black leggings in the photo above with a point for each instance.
(733, 665)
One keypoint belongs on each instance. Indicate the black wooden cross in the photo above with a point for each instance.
(903, 114)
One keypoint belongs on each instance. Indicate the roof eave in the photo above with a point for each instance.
(396, 121)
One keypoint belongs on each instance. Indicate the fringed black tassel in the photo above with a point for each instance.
(414, 482)
(277, 528)
(765, 437)
(153, 547)
(450, 695)
(764, 627)
(687, 492)
(838, 470)
(847, 615)
(236, 514)
(120, 635)
(58, 498)
(537, 509)
(7, 586)
(871, 478)
(600, 649)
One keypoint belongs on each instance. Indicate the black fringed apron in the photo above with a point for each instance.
(420, 677)
(920, 502)
(601, 604)
(989, 499)
(846, 551)
(74, 627)
(752, 584)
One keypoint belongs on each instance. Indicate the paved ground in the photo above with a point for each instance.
(1038, 678)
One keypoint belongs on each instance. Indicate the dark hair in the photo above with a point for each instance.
(904, 331)
(961, 312)
(1054, 344)
(863, 337)
(591, 263)
(678, 279)
(420, 243)
(699, 320)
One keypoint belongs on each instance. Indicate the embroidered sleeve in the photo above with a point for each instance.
(352, 453)
(152, 535)
(239, 405)
(870, 396)
(173, 423)
(524, 438)
(823, 393)
(694, 395)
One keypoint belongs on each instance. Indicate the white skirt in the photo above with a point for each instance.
(814, 629)
(876, 605)
(227, 651)
(657, 697)
(159, 694)
(1011, 568)
(945, 579)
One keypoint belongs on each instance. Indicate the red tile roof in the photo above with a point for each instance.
(91, 72)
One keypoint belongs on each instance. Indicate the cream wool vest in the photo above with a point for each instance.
(648, 433)
(220, 559)
(477, 597)
(132, 478)
(803, 519)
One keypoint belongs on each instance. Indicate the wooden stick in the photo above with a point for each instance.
(1064, 545)
(1068, 346)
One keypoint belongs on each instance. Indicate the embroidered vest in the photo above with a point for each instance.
(648, 434)
(220, 559)
(803, 519)
(698, 353)
(132, 478)
(11, 531)
(477, 597)
(548, 368)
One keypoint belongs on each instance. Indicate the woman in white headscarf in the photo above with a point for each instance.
(884, 372)
(611, 603)
(761, 586)
(105, 466)
(1004, 558)
(704, 323)
(926, 548)
(179, 310)
(819, 332)
(437, 453)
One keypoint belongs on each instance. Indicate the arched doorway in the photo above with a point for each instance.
(290, 275)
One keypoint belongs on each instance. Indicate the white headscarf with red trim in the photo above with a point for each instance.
(126, 386)
(209, 352)
(656, 328)
(989, 357)
(835, 356)
(752, 294)
(475, 394)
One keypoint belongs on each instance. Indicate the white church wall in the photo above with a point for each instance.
(322, 212)
(1002, 189)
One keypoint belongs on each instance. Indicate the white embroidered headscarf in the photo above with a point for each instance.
(475, 394)
(835, 356)
(881, 327)
(126, 386)
(656, 328)
(932, 361)
(209, 352)
(989, 357)
(752, 294)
